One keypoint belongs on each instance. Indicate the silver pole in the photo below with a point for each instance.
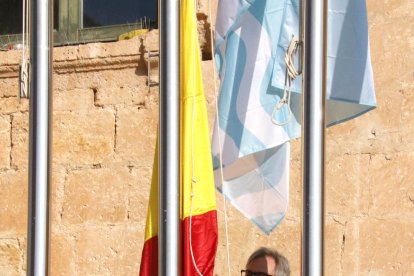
(40, 136)
(169, 138)
(313, 136)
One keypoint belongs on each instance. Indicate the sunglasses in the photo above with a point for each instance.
(251, 273)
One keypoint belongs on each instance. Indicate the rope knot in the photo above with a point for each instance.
(290, 74)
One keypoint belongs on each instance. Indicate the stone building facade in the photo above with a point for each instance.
(104, 129)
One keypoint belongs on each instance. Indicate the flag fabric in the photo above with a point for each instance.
(198, 231)
(251, 40)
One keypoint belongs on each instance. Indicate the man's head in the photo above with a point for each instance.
(268, 262)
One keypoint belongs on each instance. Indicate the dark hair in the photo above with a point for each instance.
(282, 264)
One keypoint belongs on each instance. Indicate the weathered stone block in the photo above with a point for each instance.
(116, 252)
(57, 194)
(62, 254)
(352, 137)
(9, 105)
(384, 140)
(90, 79)
(209, 89)
(350, 247)
(66, 82)
(23, 249)
(92, 51)
(103, 79)
(388, 34)
(389, 192)
(86, 138)
(11, 57)
(20, 140)
(10, 257)
(112, 49)
(386, 247)
(407, 109)
(295, 182)
(127, 78)
(13, 203)
(334, 242)
(5, 143)
(346, 176)
(68, 53)
(391, 8)
(136, 135)
(129, 47)
(9, 87)
(138, 194)
(13, 104)
(80, 100)
(96, 195)
(124, 94)
(205, 7)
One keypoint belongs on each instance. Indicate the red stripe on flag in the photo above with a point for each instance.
(149, 258)
(204, 244)
(204, 241)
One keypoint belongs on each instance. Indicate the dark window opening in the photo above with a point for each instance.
(81, 21)
(11, 16)
(99, 13)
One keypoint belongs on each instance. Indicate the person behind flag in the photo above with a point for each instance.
(266, 262)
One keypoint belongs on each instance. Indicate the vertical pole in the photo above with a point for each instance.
(40, 136)
(313, 136)
(169, 138)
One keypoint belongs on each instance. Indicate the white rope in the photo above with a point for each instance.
(219, 140)
(24, 74)
(290, 75)
(193, 180)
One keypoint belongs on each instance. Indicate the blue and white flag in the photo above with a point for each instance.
(251, 40)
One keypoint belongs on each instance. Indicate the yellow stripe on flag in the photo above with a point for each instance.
(197, 191)
(193, 107)
(191, 100)
(151, 228)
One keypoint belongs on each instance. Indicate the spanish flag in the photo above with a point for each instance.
(198, 231)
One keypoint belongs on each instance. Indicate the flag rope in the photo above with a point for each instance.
(193, 180)
(218, 137)
(290, 74)
(24, 71)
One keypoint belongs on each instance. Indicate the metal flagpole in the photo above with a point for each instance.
(40, 136)
(169, 138)
(313, 136)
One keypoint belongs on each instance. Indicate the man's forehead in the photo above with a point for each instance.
(264, 264)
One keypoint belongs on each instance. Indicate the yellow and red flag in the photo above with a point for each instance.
(198, 215)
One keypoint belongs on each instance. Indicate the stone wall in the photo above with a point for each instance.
(104, 128)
